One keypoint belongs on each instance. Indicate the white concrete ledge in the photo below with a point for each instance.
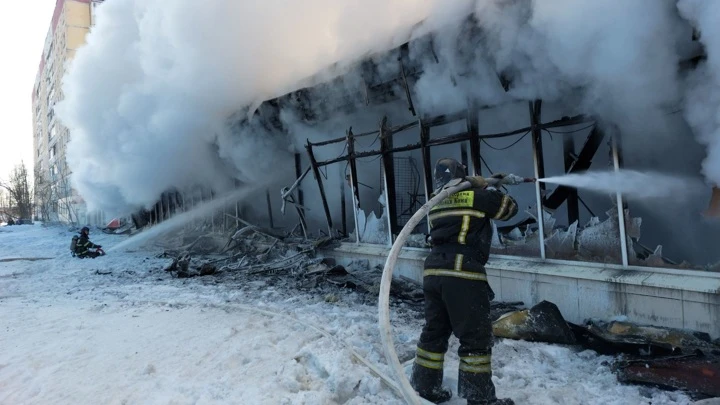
(648, 295)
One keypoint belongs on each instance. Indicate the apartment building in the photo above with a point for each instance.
(56, 201)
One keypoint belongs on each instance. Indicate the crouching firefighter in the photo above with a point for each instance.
(80, 245)
(457, 294)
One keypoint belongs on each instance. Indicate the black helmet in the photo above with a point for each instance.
(447, 169)
(85, 229)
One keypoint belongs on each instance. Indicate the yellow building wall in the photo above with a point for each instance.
(77, 13)
(77, 21)
(75, 37)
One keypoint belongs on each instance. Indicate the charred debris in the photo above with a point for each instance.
(663, 357)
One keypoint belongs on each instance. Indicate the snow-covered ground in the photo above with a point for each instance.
(120, 330)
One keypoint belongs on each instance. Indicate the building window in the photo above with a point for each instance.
(51, 98)
(49, 52)
(52, 133)
(53, 150)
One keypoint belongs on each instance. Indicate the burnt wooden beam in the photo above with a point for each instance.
(400, 128)
(316, 173)
(342, 206)
(344, 138)
(426, 160)
(353, 168)
(573, 208)
(463, 136)
(563, 122)
(445, 119)
(473, 126)
(404, 56)
(386, 147)
(579, 164)
(464, 156)
(450, 118)
(269, 208)
(536, 129)
(539, 164)
(299, 174)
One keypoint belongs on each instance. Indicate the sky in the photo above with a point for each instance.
(22, 36)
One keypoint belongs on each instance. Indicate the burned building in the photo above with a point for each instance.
(361, 141)
(383, 143)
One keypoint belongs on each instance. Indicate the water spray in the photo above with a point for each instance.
(179, 221)
(386, 334)
(631, 183)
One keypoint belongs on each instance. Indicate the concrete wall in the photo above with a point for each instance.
(673, 298)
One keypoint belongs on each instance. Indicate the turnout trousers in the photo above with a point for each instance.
(460, 304)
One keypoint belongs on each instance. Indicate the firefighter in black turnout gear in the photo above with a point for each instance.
(457, 294)
(82, 245)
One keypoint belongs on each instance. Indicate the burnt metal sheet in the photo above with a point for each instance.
(695, 374)
(624, 337)
(541, 323)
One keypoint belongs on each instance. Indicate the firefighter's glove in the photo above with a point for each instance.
(477, 181)
(97, 246)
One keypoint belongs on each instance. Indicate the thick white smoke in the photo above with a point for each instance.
(618, 56)
(147, 99)
(703, 94)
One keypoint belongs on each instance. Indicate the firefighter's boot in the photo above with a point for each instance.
(428, 384)
(475, 384)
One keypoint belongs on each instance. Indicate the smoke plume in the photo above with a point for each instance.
(148, 99)
(702, 105)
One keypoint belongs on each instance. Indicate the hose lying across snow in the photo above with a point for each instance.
(384, 299)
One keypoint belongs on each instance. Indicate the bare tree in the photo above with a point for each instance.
(43, 195)
(64, 193)
(20, 193)
(5, 205)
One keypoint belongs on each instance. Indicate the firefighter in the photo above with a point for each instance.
(457, 294)
(83, 245)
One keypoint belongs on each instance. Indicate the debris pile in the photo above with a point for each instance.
(249, 250)
(252, 251)
(596, 241)
(541, 323)
(118, 226)
(694, 373)
(663, 357)
(624, 337)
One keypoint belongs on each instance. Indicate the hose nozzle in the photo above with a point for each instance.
(512, 180)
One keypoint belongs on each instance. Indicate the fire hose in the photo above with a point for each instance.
(386, 333)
